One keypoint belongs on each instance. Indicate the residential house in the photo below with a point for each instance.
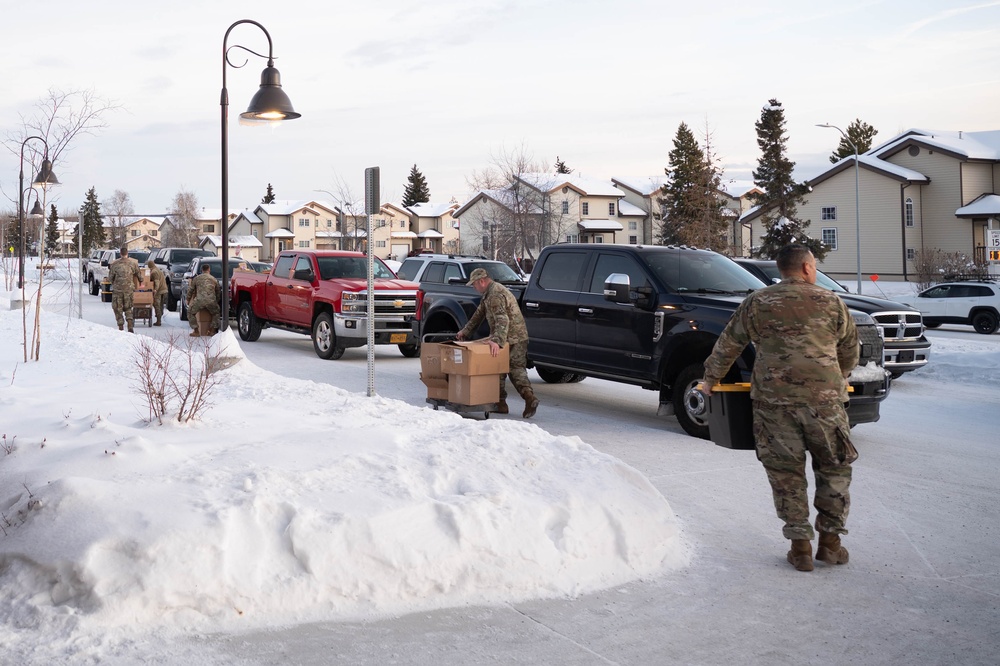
(434, 226)
(282, 225)
(244, 246)
(140, 232)
(642, 193)
(921, 190)
(392, 232)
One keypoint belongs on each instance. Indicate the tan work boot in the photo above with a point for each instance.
(157, 322)
(801, 554)
(502, 407)
(830, 550)
(121, 327)
(130, 329)
(530, 404)
(195, 334)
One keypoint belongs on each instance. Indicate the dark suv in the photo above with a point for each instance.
(215, 268)
(174, 262)
(902, 328)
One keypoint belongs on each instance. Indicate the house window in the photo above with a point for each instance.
(572, 238)
(379, 243)
(256, 234)
(208, 228)
(829, 213)
(911, 254)
(303, 222)
(135, 233)
(153, 232)
(585, 208)
(830, 237)
(329, 223)
(611, 209)
(908, 211)
(598, 239)
(633, 225)
(303, 243)
(633, 240)
(565, 207)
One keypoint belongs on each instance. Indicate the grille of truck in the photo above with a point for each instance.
(392, 304)
(900, 325)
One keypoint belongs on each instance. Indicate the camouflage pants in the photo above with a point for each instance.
(158, 305)
(196, 307)
(518, 371)
(784, 433)
(121, 303)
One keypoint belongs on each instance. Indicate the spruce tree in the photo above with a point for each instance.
(52, 232)
(781, 194)
(861, 133)
(561, 167)
(416, 188)
(93, 226)
(269, 196)
(691, 202)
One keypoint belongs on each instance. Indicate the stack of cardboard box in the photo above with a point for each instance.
(462, 373)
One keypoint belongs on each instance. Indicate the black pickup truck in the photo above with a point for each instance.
(642, 315)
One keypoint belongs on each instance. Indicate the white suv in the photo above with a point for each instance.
(975, 302)
(448, 268)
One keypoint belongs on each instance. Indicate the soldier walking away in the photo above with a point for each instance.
(159, 284)
(806, 345)
(499, 307)
(125, 278)
(204, 293)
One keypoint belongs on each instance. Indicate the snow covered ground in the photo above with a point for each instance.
(369, 530)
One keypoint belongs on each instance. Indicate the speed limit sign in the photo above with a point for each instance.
(993, 243)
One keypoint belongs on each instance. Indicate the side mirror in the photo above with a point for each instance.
(616, 288)
(305, 274)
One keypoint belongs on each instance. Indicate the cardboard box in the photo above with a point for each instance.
(473, 358)
(142, 297)
(473, 389)
(430, 360)
(437, 387)
(730, 416)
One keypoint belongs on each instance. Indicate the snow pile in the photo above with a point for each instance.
(288, 501)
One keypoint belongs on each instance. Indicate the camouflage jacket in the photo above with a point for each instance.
(157, 281)
(805, 340)
(124, 275)
(204, 292)
(501, 310)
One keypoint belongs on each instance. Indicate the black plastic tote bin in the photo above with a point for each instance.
(730, 416)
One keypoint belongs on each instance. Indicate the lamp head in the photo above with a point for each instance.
(270, 102)
(37, 210)
(45, 176)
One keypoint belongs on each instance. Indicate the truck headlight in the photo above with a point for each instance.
(862, 319)
(352, 302)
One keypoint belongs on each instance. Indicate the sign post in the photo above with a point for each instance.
(372, 205)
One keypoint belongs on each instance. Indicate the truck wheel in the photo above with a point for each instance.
(184, 311)
(247, 323)
(171, 301)
(690, 405)
(550, 376)
(409, 351)
(985, 323)
(577, 378)
(95, 286)
(325, 339)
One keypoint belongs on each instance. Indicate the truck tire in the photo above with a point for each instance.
(184, 311)
(95, 286)
(690, 405)
(550, 376)
(985, 323)
(325, 338)
(247, 323)
(409, 351)
(171, 300)
(577, 378)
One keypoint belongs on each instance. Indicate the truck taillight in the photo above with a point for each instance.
(420, 305)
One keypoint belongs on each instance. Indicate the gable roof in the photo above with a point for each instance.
(502, 197)
(985, 205)
(549, 182)
(874, 164)
(644, 185)
(962, 145)
(432, 209)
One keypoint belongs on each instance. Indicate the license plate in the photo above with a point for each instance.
(905, 356)
(397, 338)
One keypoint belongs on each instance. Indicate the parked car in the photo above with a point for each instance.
(216, 270)
(447, 268)
(98, 269)
(976, 303)
(902, 327)
(261, 266)
(139, 255)
(174, 262)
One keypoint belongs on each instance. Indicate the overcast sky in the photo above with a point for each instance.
(449, 84)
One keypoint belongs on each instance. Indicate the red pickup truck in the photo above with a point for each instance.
(324, 293)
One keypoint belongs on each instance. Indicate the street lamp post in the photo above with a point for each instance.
(45, 177)
(857, 197)
(270, 103)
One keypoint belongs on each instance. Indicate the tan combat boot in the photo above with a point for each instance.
(530, 404)
(830, 550)
(502, 407)
(121, 327)
(157, 322)
(130, 329)
(801, 554)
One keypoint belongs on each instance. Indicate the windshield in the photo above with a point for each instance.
(827, 282)
(185, 256)
(497, 270)
(350, 267)
(702, 272)
(215, 268)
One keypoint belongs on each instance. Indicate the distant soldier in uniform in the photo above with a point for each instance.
(159, 285)
(204, 293)
(125, 278)
(806, 345)
(507, 326)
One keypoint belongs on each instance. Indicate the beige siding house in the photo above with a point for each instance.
(434, 226)
(922, 190)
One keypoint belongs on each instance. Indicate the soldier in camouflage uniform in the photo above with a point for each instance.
(500, 309)
(806, 345)
(159, 285)
(125, 277)
(204, 293)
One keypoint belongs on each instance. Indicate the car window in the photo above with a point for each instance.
(608, 263)
(452, 271)
(562, 271)
(303, 264)
(409, 268)
(497, 270)
(434, 272)
(283, 268)
(981, 292)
